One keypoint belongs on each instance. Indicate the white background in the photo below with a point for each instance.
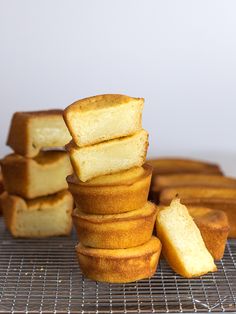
(179, 55)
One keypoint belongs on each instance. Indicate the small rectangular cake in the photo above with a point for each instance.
(32, 131)
(161, 182)
(182, 243)
(104, 117)
(43, 175)
(41, 217)
(108, 157)
(181, 165)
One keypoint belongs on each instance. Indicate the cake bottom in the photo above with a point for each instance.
(120, 265)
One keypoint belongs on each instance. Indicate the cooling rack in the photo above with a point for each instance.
(43, 277)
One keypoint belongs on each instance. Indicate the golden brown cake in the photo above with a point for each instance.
(32, 131)
(120, 265)
(182, 243)
(104, 117)
(43, 175)
(108, 157)
(161, 182)
(112, 194)
(41, 217)
(181, 165)
(1, 183)
(216, 198)
(117, 231)
(1, 189)
(214, 227)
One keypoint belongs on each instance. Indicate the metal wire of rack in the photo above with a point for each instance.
(42, 276)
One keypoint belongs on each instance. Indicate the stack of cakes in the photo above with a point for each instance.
(110, 185)
(37, 202)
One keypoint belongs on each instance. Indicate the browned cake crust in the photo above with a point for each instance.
(1, 189)
(100, 102)
(13, 206)
(108, 198)
(1, 183)
(161, 182)
(20, 137)
(214, 227)
(116, 231)
(30, 178)
(121, 265)
(215, 198)
(164, 166)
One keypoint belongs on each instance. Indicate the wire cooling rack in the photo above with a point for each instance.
(42, 276)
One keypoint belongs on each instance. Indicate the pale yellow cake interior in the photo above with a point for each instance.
(109, 157)
(185, 239)
(48, 132)
(37, 223)
(41, 217)
(50, 177)
(97, 125)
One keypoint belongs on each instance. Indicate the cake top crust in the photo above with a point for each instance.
(212, 218)
(39, 113)
(101, 102)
